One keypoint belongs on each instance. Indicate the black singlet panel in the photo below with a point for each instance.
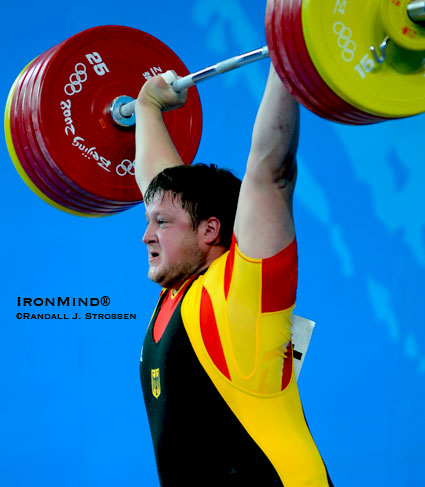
(197, 439)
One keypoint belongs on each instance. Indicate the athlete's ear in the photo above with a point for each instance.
(210, 230)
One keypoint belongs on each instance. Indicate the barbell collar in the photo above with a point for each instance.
(416, 10)
(116, 107)
(122, 114)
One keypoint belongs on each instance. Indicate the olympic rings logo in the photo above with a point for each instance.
(345, 42)
(76, 79)
(126, 167)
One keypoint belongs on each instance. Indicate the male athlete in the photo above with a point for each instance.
(216, 366)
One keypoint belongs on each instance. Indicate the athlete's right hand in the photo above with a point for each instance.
(159, 93)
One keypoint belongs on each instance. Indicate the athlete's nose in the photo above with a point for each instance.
(149, 235)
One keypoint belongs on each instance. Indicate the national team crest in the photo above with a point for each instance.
(156, 383)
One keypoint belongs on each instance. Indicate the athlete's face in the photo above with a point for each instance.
(173, 245)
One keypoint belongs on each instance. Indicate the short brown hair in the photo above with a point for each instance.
(204, 190)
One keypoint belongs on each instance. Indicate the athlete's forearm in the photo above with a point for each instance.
(275, 133)
(155, 150)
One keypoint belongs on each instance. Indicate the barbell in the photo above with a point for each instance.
(70, 113)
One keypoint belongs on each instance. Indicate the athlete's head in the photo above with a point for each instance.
(190, 212)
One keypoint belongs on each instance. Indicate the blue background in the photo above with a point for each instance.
(71, 409)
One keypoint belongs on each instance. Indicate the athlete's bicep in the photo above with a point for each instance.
(264, 222)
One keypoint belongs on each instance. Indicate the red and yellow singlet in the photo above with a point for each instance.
(219, 386)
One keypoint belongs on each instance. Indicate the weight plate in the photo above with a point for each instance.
(292, 62)
(54, 166)
(274, 52)
(336, 108)
(25, 128)
(56, 189)
(12, 148)
(33, 171)
(338, 36)
(277, 49)
(29, 163)
(287, 44)
(399, 27)
(72, 126)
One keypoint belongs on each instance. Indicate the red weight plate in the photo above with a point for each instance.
(51, 165)
(85, 74)
(285, 77)
(32, 161)
(283, 66)
(54, 181)
(21, 147)
(289, 53)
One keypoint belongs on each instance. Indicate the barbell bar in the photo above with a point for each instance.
(122, 113)
(59, 119)
(126, 110)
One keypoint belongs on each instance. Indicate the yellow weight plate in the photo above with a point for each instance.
(15, 159)
(399, 27)
(339, 34)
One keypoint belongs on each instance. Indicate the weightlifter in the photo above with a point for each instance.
(216, 365)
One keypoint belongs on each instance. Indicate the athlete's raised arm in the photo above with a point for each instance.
(264, 221)
(155, 150)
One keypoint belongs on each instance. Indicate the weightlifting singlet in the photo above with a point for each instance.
(220, 393)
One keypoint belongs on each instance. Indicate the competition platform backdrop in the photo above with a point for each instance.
(71, 409)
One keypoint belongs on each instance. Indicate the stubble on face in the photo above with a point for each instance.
(173, 275)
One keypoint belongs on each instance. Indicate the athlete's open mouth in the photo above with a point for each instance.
(153, 255)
